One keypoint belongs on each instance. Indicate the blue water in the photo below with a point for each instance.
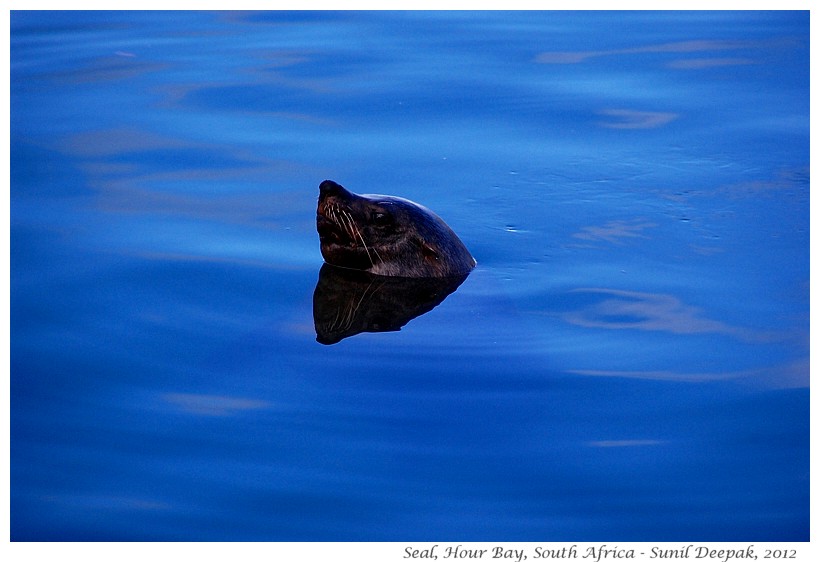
(628, 362)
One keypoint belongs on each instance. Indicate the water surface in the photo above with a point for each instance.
(628, 362)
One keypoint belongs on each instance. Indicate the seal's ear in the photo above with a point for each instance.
(429, 253)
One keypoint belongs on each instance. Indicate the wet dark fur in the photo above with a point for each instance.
(386, 235)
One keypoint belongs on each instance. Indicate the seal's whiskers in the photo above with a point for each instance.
(348, 225)
(377, 254)
(359, 233)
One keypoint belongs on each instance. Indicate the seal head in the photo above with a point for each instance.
(387, 235)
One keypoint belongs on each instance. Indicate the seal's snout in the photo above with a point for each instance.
(329, 187)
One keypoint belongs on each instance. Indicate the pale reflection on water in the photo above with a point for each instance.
(629, 360)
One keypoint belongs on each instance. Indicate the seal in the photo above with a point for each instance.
(387, 235)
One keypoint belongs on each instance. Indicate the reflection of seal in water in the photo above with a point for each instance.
(387, 236)
(347, 302)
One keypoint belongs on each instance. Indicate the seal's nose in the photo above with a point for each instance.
(329, 187)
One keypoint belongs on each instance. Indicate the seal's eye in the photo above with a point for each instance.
(382, 219)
